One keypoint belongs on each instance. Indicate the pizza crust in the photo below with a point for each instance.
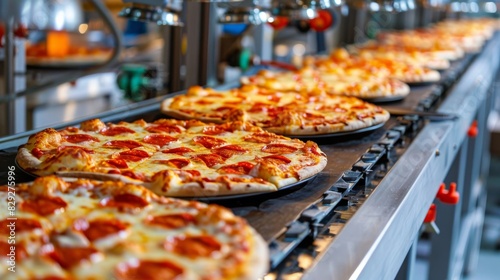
(195, 189)
(353, 125)
(427, 77)
(26, 160)
(166, 108)
(258, 265)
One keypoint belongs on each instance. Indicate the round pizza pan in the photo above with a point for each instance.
(25, 172)
(250, 198)
(421, 84)
(384, 99)
(338, 134)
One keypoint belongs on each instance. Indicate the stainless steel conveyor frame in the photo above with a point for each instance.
(376, 240)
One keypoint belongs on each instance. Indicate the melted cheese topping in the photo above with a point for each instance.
(218, 157)
(138, 239)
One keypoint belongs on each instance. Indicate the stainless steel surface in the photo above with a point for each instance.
(171, 56)
(354, 20)
(158, 15)
(253, 16)
(202, 45)
(106, 16)
(9, 76)
(43, 14)
(432, 116)
(375, 240)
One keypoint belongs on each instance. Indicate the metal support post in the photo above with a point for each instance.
(202, 46)
(407, 269)
(443, 252)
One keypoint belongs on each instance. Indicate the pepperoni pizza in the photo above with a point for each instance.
(86, 229)
(335, 80)
(174, 157)
(374, 66)
(288, 113)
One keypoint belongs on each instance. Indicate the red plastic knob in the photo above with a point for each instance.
(442, 191)
(431, 214)
(473, 131)
(278, 22)
(452, 196)
(322, 22)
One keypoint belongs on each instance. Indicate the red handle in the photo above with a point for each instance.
(450, 196)
(431, 214)
(473, 131)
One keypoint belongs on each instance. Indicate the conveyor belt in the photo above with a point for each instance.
(272, 216)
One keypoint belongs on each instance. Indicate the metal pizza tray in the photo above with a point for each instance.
(339, 136)
(246, 199)
(384, 99)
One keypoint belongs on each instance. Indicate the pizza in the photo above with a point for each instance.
(376, 66)
(335, 80)
(395, 53)
(434, 36)
(174, 157)
(287, 113)
(437, 49)
(87, 229)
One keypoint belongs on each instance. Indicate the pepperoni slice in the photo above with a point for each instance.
(275, 111)
(171, 221)
(262, 137)
(278, 159)
(224, 108)
(118, 163)
(159, 139)
(63, 148)
(259, 107)
(77, 138)
(163, 129)
(133, 175)
(179, 150)
(175, 162)
(133, 155)
(44, 205)
(243, 167)
(19, 250)
(359, 107)
(71, 129)
(312, 116)
(120, 144)
(194, 173)
(228, 151)
(115, 130)
(193, 246)
(210, 159)
(208, 141)
(71, 256)
(53, 278)
(20, 225)
(97, 229)
(150, 270)
(214, 130)
(37, 152)
(278, 149)
(125, 202)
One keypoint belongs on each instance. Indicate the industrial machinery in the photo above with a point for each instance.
(364, 216)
